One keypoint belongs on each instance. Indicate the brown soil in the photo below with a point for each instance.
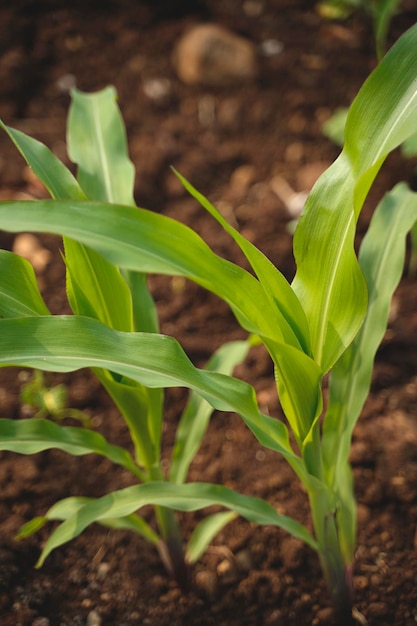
(272, 125)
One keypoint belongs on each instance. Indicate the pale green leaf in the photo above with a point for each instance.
(328, 281)
(139, 240)
(190, 497)
(67, 343)
(97, 144)
(46, 166)
(205, 532)
(19, 291)
(29, 436)
(381, 258)
(293, 322)
(96, 288)
(67, 507)
(31, 527)
(195, 418)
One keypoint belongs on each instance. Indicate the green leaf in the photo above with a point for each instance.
(67, 507)
(139, 240)
(97, 143)
(136, 404)
(383, 12)
(293, 322)
(67, 343)
(334, 127)
(381, 258)
(190, 497)
(291, 355)
(19, 291)
(29, 436)
(145, 315)
(328, 281)
(409, 147)
(46, 166)
(31, 527)
(95, 288)
(136, 239)
(204, 534)
(195, 418)
(107, 173)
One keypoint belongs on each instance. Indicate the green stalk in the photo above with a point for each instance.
(170, 547)
(337, 573)
(325, 515)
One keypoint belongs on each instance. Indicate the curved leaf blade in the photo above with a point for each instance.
(382, 116)
(381, 257)
(139, 240)
(189, 497)
(30, 436)
(97, 144)
(196, 415)
(19, 291)
(293, 320)
(67, 343)
(205, 532)
(57, 179)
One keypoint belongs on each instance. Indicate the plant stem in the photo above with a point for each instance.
(336, 571)
(170, 547)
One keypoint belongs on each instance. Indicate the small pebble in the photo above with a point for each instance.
(377, 609)
(244, 560)
(207, 582)
(41, 621)
(226, 570)
(93, 619)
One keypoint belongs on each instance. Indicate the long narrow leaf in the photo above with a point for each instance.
(195, 418)
(328, 281)
(143, 241)
(19, 291)
(68, 507)
(205, 532)
(57, 179)
(140, 240)
(96, 288)
(381, 258)
(68, 343)
(97, 143)
(30, 436)
(293, 320)
(190, 497)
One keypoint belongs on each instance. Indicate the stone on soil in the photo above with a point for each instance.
(214, 56)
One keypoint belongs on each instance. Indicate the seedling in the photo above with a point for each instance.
(331, 318)
(98, 289)
(50, 401)
(380, 11)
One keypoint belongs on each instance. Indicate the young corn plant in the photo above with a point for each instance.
(330, 318)
(381, 13)
(114, 331)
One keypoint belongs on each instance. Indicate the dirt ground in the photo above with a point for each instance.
(231, 141)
